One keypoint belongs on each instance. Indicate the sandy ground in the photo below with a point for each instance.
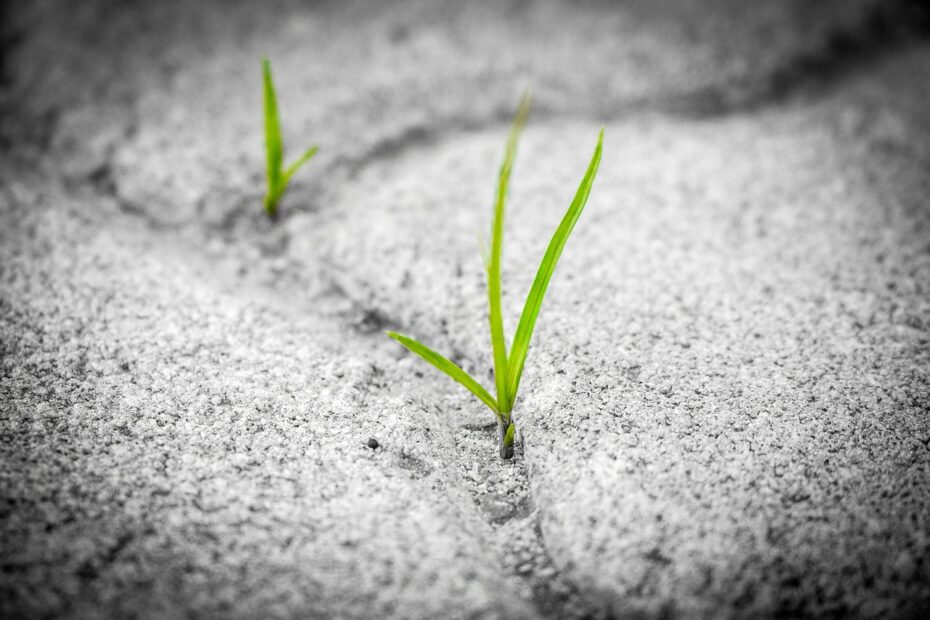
(726, 408)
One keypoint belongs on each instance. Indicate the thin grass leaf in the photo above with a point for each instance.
(300, 162)
(274, 146)
(508, 435)
(446, 366)
(521, 340)
(496, 319)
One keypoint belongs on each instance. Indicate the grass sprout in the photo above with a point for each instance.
(508, 366)
(278, 175)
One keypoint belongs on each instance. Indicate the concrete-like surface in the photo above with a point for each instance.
(726, 408)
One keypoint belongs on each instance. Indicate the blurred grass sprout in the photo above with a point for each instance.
(508, 367)
(278, 175)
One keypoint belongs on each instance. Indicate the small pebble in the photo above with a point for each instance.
(373, 443)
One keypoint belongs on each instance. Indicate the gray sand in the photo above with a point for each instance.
(726, 407)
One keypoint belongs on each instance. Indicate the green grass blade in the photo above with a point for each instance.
(508, 435)
(521, 340)
(496, 319)
(274, 146)
(300, 162)
(272, 196)
(446, 366)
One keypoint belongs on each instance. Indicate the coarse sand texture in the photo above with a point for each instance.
(725, 411)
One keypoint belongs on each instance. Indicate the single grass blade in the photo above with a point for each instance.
(300, 162)
(273, 144)
(446, 366)
(524, 333)
(496, 319)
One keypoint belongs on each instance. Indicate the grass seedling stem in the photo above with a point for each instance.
(508, 367)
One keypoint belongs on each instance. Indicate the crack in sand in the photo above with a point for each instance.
(502, 494)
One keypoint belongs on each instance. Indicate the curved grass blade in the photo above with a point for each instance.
(521, 340)
(443, 364)
(300, 162)
(496, 319)
(274, 146)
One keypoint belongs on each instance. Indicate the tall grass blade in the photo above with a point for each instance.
(524, 333)
(273, 144)
(496, 319)
(446, 366)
